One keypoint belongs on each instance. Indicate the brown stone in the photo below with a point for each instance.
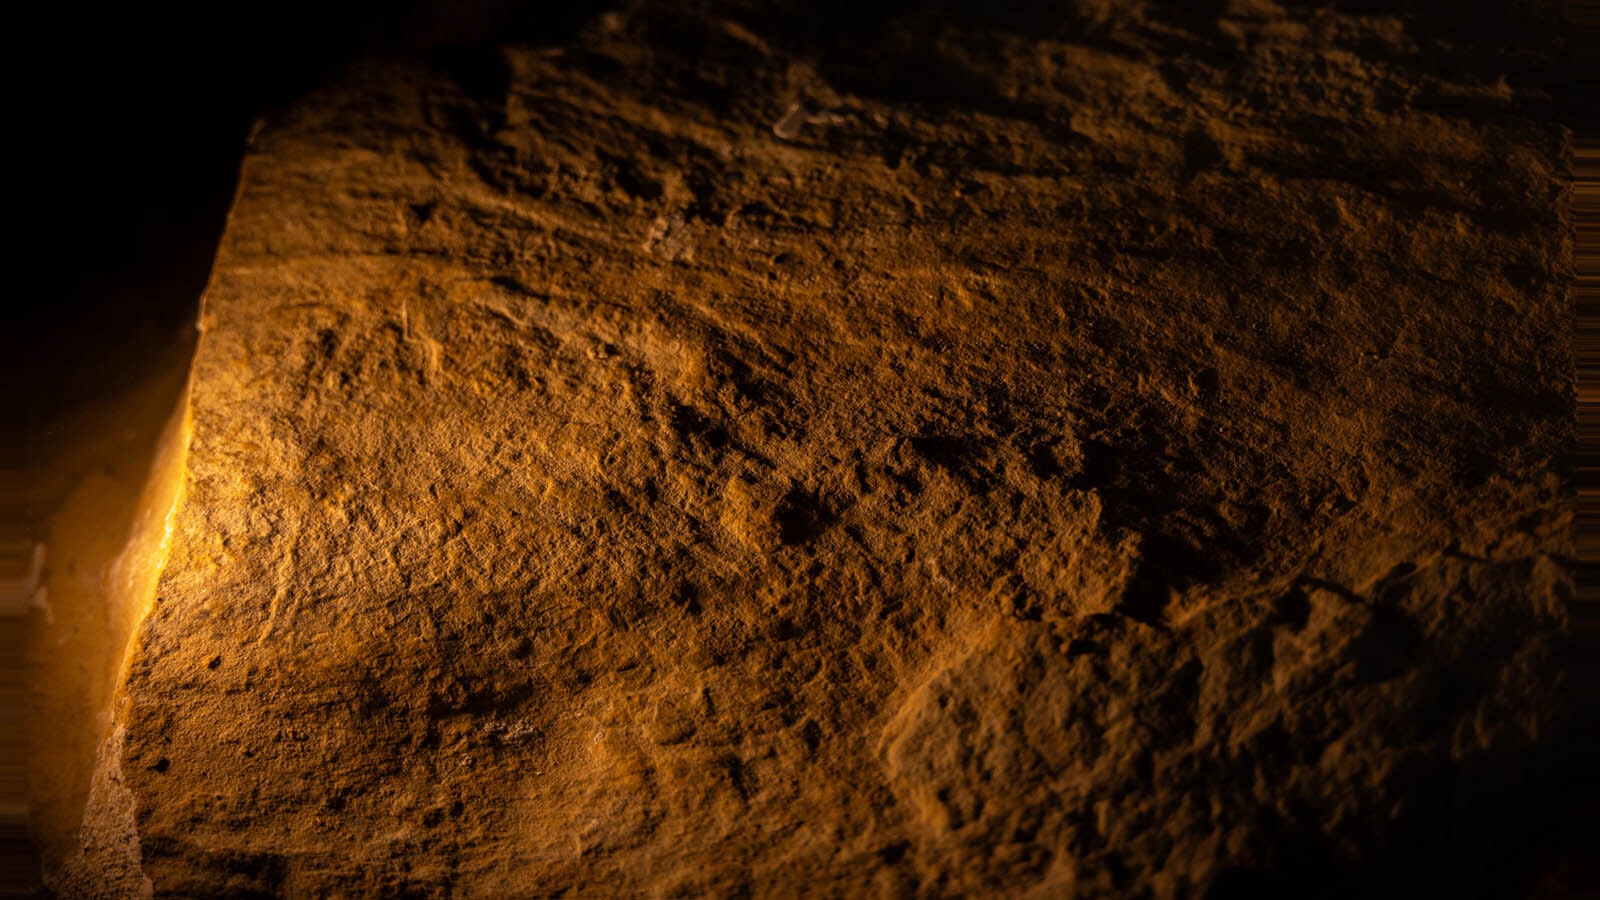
(682, 464)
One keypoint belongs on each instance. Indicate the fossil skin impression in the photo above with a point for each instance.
(1110, 454)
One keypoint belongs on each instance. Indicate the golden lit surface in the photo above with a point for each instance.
(104, 547)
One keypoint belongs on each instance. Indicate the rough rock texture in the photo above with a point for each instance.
(1102, 453)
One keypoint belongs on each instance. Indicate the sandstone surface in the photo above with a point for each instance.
(1104, 453)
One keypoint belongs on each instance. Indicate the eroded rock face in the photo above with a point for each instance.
(1110, 454)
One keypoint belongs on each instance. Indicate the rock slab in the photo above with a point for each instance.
(1103, 453)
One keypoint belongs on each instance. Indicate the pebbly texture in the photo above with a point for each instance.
(1101, 454)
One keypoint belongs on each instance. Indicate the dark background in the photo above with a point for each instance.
(126, 128)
